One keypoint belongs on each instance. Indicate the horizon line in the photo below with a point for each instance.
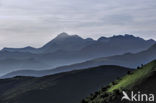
(72, 34)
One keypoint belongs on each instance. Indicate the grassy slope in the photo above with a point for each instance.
(128, 82)
(59, 88)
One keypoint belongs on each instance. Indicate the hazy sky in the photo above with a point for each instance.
(35, 22)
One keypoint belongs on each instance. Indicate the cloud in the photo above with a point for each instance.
(34, 22)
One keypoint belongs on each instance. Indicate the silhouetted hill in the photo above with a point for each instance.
(67, 87)
(142, 80)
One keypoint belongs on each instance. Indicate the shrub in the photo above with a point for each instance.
(142, 65)
(104, 95)
(138, 67)
(84, 101)
(104, 89)
(117, 92)
(129, 72)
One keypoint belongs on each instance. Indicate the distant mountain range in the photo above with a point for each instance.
(69, 49)
(65, 42)
(131, 60)
(68, 87)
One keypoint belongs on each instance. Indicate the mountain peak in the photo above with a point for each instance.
(63, 39)
(151, 40)
(62, 35)
(123, 36)
(102, 38)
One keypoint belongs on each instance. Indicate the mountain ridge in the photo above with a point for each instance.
(65, 35)
(67, 49)
(131, 60)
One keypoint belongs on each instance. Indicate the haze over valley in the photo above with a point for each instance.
(67, 49)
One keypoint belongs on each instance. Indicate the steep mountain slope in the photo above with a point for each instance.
(68, 87)
(127, 60)
(69, 49)
(141, 80)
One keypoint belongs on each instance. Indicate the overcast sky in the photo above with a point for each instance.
(35, 22)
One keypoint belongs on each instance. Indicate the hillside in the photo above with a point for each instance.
(143, 80)
(67, 87)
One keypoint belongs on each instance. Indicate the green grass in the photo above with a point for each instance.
(130, 80)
